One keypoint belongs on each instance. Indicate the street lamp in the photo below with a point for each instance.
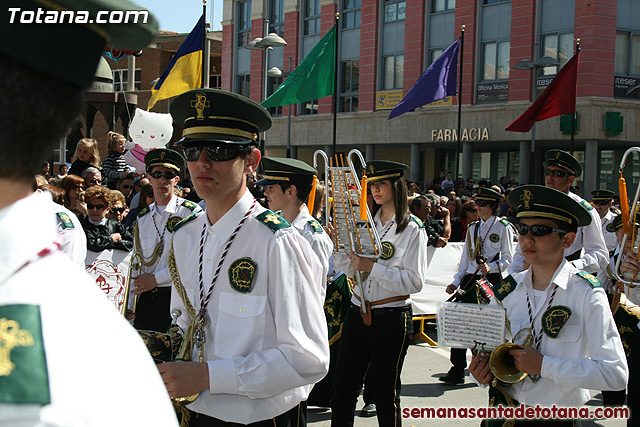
(277, 72)
(269, 41)
(545, 61)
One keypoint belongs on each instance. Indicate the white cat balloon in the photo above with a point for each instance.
(147, 131)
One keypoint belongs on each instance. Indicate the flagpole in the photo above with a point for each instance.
(573, 115)
(335, 85)
(204, 40)
(459, 100)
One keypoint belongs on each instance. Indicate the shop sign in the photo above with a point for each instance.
(468, 134)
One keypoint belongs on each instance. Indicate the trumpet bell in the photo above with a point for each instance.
(503, 365)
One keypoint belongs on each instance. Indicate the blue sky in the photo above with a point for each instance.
(181, 15)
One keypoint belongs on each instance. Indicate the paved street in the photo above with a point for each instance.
(421, 388)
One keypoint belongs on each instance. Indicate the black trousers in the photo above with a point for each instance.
(382, 348)
(152, 310)
(633, 386)
(288, 419)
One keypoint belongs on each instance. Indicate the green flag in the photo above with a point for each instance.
(312, 78)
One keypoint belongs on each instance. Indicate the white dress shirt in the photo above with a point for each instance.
(610, 238)
(587, 353)
(88, 345)
(497, 238)
(402, 274)
(74, 240)
(263, 348)
(150, 236)
(589, 240)
(319, 240)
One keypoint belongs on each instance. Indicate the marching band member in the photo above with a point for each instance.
(152, 238)
(589, 251)
(380, 337)
(488, 250)
(575, 345)
(61, 338)
(249, 286)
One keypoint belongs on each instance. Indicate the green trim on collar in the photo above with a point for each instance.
(190, 205)
(590, 278)
(417, 221)
(586, 205)
(177, 226)
(66, 221)
(315, 225)
(272, 220)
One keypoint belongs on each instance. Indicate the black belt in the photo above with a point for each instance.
(384, 311)
(161, 289)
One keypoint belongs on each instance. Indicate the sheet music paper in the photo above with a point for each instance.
(463, 325)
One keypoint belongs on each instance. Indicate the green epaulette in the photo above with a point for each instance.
(504, 287)
(189, 205)
(471, 223)
(66, 221)
(586, 205)
(143, 212)
(315, 225)
(417, 221)
(272, 220)
(590, 278)
(184, 221)
(504, 222)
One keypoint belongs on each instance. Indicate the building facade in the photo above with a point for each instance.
(384, 47)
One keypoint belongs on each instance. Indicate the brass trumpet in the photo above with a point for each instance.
(503, 365)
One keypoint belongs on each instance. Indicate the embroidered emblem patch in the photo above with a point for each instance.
(590, 278)
(273, 221)
(494, 238)
(23, 366)
(241, 273)
(315, 225)
(66, 221)
(504, 222)
(611, 228)
(554, 319)
(200, 103)
(143, 212)
(417, 221)
(504, 287)
(189, 204)
(527, 198)
(158, 344)
(172, 222)
(586, 205)
(388, 251)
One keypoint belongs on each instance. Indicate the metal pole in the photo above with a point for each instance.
(263, 146)
(289, 117)
(204, 41)
(459, 101)
(335, 85)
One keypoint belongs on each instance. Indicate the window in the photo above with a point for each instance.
(121, 80)
(495, 61)
(627, 54)
(273, 83)
(349, 85)
(310, 107)
(276, 17)
(59, 152)
(394, 10)
(392, 72)
(442, 5)
(243, 83)
(311, 17)
(215, 81)
(559, 47)
(350, 15)
(244, 22)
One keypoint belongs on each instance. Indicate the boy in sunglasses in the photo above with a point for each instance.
(602, 200)
(248, 284)
(152, 237)
(588, 251)
(575, 345)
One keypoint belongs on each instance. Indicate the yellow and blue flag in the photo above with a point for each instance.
(184, 72)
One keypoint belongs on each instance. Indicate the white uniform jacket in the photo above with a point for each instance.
(74, 240)
(497, 236)
(320, 241)
(400, 270)
(589, 240)
(586, 354)
(177, 208)
(264, 346)
(608, 231)
(88, 345)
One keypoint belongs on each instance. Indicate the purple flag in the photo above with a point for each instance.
(439, 81)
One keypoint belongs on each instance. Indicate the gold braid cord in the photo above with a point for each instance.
(157, 251)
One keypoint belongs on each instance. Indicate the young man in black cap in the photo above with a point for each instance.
(152, 238)
(602, 202)
(488, 250)
(588, 251)
(288, 185)
(575, 346)
(58, 328)
(259, 331)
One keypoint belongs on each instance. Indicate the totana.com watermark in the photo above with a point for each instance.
(42, 16)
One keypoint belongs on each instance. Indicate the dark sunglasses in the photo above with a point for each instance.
(117, 210)
(537, 230)
(99, 207)
(127, 187)
(158, 175)
(473, 210)
(601, 203)
(96, 181)
(482, 203)
(556, 173)
(215, 152)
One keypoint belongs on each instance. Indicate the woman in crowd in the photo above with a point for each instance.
(86, 155)
(118, 205)
(115, 166)
(102, 232)
(146, 198)
(468, 214)
(455, 208)
(378, 335)
(74, 196)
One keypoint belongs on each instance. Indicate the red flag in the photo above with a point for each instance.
(557, 99)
